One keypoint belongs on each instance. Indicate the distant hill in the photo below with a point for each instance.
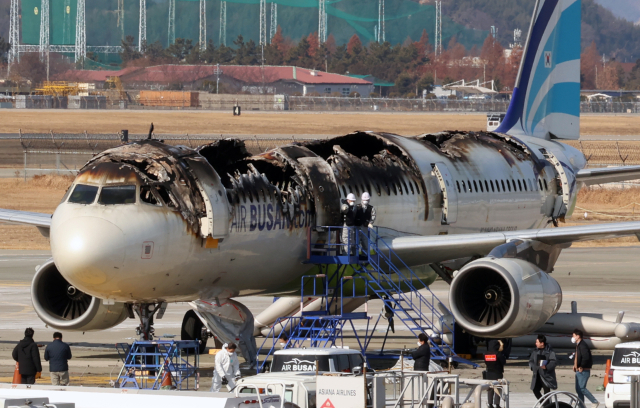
(468, 20)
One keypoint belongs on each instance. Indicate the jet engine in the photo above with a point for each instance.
(62, 306)
(503, 297)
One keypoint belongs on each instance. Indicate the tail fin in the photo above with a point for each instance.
(546, 98)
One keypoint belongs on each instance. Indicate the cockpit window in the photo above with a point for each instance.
(83, 194)
(117, 195)
(146, 196)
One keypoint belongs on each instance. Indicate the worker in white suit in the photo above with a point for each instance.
(227, 368)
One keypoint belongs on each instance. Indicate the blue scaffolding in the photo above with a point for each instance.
(146, 363)
(384, 275)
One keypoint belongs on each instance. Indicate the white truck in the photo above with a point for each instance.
(625, 362)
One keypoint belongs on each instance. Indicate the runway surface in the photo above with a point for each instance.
(603, 280)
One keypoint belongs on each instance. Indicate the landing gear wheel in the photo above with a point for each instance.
(193, 328)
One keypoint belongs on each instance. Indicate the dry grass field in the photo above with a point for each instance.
(289, 123)
(43, 193)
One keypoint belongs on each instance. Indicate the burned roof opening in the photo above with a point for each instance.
(362, 145)
(223, 155)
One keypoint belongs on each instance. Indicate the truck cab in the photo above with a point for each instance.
(332, 360)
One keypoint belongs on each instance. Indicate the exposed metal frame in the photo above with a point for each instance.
(14, 31)
(322, 21)
(438, 39)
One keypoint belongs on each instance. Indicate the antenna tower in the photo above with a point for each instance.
(203, 25)
(223, 23)
(381, 26)
(438, 39)
(322, 22)
(120, 17)
(142, 27)
(81, 32)
(44, 28)
(263, 22)
(274, 20)
(14, 31)
(172, 22)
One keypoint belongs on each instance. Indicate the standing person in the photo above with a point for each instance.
(365, 218)
(27, 355)
(582, 363)
(227, 367)
(495, 361)
(543, 364)
(58, 354)
(349, 212)
(422, 356)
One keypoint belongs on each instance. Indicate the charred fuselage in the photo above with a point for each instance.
(148, 222)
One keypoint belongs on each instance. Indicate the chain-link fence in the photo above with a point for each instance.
(53, 152)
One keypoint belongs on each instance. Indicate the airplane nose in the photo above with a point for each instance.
(88, 251)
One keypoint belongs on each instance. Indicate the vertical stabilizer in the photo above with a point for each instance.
(546, 98)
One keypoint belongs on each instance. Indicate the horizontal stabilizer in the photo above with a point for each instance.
(608, 175)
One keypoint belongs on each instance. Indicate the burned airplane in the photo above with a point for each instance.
(146, 224)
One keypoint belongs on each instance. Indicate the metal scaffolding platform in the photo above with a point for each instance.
(364, 267)
(147, 362)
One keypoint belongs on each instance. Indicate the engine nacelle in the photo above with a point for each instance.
(503, 297)
(62, 306)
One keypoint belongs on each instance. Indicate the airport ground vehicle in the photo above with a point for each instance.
(625, 362)
(327, 359)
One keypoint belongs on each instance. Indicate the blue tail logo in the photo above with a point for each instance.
(546, 98)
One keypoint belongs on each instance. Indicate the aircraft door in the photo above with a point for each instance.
(449, 193)
(216, 223)
(562, 206)
(325, 190)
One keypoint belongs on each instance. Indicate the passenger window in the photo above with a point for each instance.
(486, 186)
(475, 186)
(540, 184)
(470, 186)
(417, 187)
(546, 187)
(146, 196)
(83, 194)
(464, 187)
(458, 184)
(513, 183)
(493, 190)
(519, 186)
(117, 195)
(411, 186)
(504, 189)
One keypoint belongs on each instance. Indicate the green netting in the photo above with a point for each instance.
(31, 21)
(62, 28)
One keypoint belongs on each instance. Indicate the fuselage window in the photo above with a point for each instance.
(470, 186)
(417, 187)
(406, 189)
(475, 186)
(519, 186)
(540, 184)
(464, 187)
(486, 186)
(458, 184)
(513, 182)
(504, 189)
(83, 194)
(117, 195)
(493, 190)
(546, 187)
(411, 187)
(146, 196)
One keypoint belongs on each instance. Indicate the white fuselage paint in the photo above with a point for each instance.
(101, 249)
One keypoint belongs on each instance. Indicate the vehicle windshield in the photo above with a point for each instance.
(117, 195)
(626, 357)
(83, 194)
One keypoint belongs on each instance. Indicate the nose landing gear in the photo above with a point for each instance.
(146, 313)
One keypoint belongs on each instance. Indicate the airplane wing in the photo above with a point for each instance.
(608, 175)
(421, 250)
(39, 220)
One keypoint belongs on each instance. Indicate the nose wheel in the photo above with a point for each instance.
(146, 313)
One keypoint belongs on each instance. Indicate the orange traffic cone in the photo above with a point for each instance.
(17, 378)
(166, 380)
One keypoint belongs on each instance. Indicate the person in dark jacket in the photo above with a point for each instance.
(27, 355)
(582, 363)
(495, 361)
(543, 364)
(349, 212)
(422, 356)
(58, 354)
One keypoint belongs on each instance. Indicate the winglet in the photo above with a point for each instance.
(546, 99)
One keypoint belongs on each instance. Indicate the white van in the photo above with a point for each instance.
(336, 360)
(624, 363)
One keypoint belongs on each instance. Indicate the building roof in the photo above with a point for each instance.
(192, 73)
